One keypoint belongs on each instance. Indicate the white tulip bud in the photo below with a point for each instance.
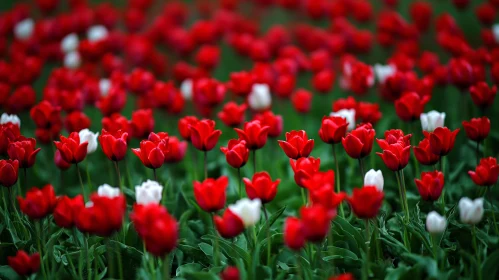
(435, 223)
(186, 89)
(432, 120)
(24, 29)
(495, 32)
(108, 191)
(96, 33)
(89, 137)
(72, 60)
(374, 178)
(471, 211)
(148, 192)
(104, 87)
(384, 71)
(348, 114)
(13, 119)
(259, 98)
(248, 210)
(70, 43)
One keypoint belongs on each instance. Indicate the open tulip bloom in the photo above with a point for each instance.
(150, 139)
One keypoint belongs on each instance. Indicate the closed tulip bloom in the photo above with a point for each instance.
(294, 236)
(76, 121)
(89, 137)
(395, 156)
(302, 101)
(374, 178)
(47, 119)
(259, 98)
(254, 134)
(23, 150)
(232, 115)
(210, 194)
(323, 81)
(344, 276)
(236, 153)
(359, 142)
(184, 125)
(142, 123)
(204, 136)
(348, 114)
(274, 122)
(368, 112)
(483, 95)
(394, 136)
(304, 168)
(8, 133)
(297, 144)
(321, 187)
(241, 83)
(208, 92)
(67, 209)
(470, 211)
(366, 201)
(333, 129)
(316, 220)
(442, 140)
(13, 119)
(60, 162)
(477, 129)
(176, 150)
(430, 185)
(410, 106)
(116, 122)
(24, 264)
(230, 273)
(148, 192)
(103, 216)
(423, 153)
(261, 187)
(435, 223)
(486, 173)
(229, 225)
(114, 145)
(38, 202)
(72, 149)
(150, 154)
(248, 210)
(431, 120)
(9, 172)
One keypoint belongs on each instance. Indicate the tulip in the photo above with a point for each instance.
(442, 140)
(76, 121)
(358, 143)
(230, 273)
(248, 210)
(304, 168)
(316, 220)
(72, 60)
(323, 81)
(410, 106)
(208, 92)
(108, 191)
(9, 172)
(184, 125)
(48, 121)
(116, 122)
(435, 223)
(261, 187)
(97, 33)
(430, 185)
(232, 115)
(333, 129)
(24, 29)
(60, 162)
(38, 202)
(483, 95)
(148, 192)
(348, 115)
(89, 137)
(8, 133)
(236, 153)
(72, 149)
(297, 144)
(151, 154)
(477, 129)
(186, 89)
(470, 211)
(395, 156)
(69, 43)
(229, 225)
(176, 150)
(67, 209)
(114, 144)
(211, 194)
(142, 123)
(366, 201)
(274, 122)
(241, 83)
(24, 264)
(302, 101)
(486, 173)
(254, 134)
(344, 276)
(204, 136)
(384, 71)
(368, 112)
(321, 187)
(104, 215)
(431, 120)
(13, 119)
(294, 236)
(259, 99)
(423, 153)
(374, 178)
(24, 151)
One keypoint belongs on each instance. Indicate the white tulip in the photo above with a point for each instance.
(186, 89)
(70, 43)
(248, 210)
(432, 120)
(471, 211)
(96, 33)
(495, 32)
(374, 178)
(384, 71)
(72, 60)
(348, 114)
(13, 119)
(24, 29)
(435, 223)
(108, 191)
(104, 86)
(89, 137)
(259, 98)
(148, 192)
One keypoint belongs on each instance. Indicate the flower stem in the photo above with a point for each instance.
(14, 208)
(155, 175)
(254, 161)
(38, 239)
(120, 264)
(117, 168)
(81, 183)
(87, 257)
(129, 178)
(365, 274)
(166, 267)
(239, 182)
(338, 181)
(215, 245)
(434, 247)
(298, 266)
(477, 152)
(406, 211)
(89, 182)
(477, 253)
(379, 251)
(268, 233)
(25, 181)
(205, 165)
(489, 194)
(303, 197)
(361, 164)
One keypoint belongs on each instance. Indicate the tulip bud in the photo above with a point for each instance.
(383, 71)
(24, 264)
(435, 223)
(24, 29)
(13, 119)
(432, 120)
(374, 178)
(348, 114)
(108, 191)
(148, 192)
(96, 33)
(186, 89)
(259, 99)
(70, 43)
(104, 87)
(471, 211)
(72, 60)
(89, 137)
(248, 210)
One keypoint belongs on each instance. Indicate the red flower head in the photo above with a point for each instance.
(394, 136)
(461, 73)
(9, 132)
(366, 201)
(285, 85)
(321, 187)
(140, 81)
(297, 144)
(210, 194)
(67, 209)
(176, 150)
(23, 150)
(103, 217)
(430, 185)
(114, 145)
(157, 228)
(142, 123)
(229, 225)
(304, 168)
(204, 136)
(38, 202)
(48, 121)
(23, 264)
(152, 152)
(113, 102)
(486, 173)
(344, 103)
(333, 129)
(9, 172)
(236, 153)
(421, 13)
(230, 273)
(241, 83)
(359, 142)
(254, 133)
(423, 153)
(208, 56)
(71, 149)
(232, 115)
(316, 220)
(483, 95)
(294, 236)
(302, 101)
(410, 106)
(395, 154)
(60, 162)
(114, 123)
(323, 81)
(184, 126)
(486, 13)
(208, 92)
(274, 122)
(76, 121)
(441, 140)
(261, 186)
(477, 129)
(344, 276)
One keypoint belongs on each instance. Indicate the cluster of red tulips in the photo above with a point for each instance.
(93, 84)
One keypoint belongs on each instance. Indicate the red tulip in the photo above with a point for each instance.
(23, 264)
(345, 103)
(114, 145)
(410, 106)
(323, 81)
(204, 137)
(359, 142)
(297, 144)
(430, 185)
(333, 129)
(241, 83)
(38, 202)
(71, 149)
(184, 126)
(316, 220)
(261, 186)
(113, 102)
(461, 73)
(344, 276)
(394, 136)
(23, 149)
(152, 153)
(294, 236)
(114, 123)
(421, 13)
(176, 150)
(304, 168)
(67, 209)
(208, 56)
(9, 132)
(368, 112)
(477, 129)
(486, 173)
(230, 273)
(302, 101)
(395, 156)
(274, 122)
(76, 121)
(441, 140)
(103, 217)
(254, 133)
(48, 121)
(211, 194)
(232, 115)
(423, 153)
(236, 153)
(483, 95)
(366, 201)
(142, 123)
(140, 81)
(208, 92)
(229, 225)
(321, 187)
(285, 85)
(9, 172)
(60, 162)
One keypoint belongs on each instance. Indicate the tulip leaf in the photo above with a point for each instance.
(272, 219)
(206, 248)
(348, 228)
(489, 266)
(340, 253)
(6, 272)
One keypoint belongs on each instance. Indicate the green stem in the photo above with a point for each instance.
(205, 165)
(117, 168)
(89, 182)
(87, 257)
(434, 247)
(298, 266)
(25, 181)
(477, 152)
(166, 267)
(477, 253)
(129, 178)
(303, 197)
(14, 208)
(269, 245)
(216, 253)
(403, 205)
(38, 242)
(338, 181)
(404, 193)
(318, 256)
(155, 175)
(120, 264)
(361, 165)
(254, 161)
(365, 274)
(489, 194)
(81, 183)
(379, 252)
(239, 182)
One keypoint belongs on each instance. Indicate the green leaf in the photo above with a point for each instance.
(206, 248)
(186, 268)
(6, 272)
(272, 219)
(489, 266)
(340, 253)
(350, 230)
(229, 248)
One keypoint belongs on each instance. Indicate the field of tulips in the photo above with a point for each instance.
(249, 139)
